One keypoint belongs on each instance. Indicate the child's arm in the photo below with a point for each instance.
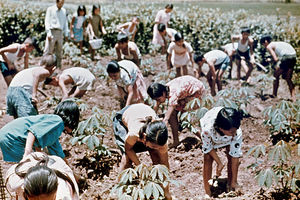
(130, 94)
(234, 38)
(215, 156)
(135, 57)
(121, 27)
(169, 60)
(71, 28)
(118, 51)
(130, 152)
(29, 144)
(26, 58)
(271, 50)
(10, 49)
(38, 76)
(102, 27)
(168, 114)
(62, 84)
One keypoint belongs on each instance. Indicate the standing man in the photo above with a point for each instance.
(56, 25)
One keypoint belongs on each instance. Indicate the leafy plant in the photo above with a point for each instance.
(263, 80)
(281, 170)
(142, 183)
(283, 120)
(91, 131)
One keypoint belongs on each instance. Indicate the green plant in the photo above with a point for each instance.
(142, 183)
(283, 120)
(281, 168)
(91, 131)
(263, 80)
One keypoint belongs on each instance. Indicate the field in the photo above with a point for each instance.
(207, 26)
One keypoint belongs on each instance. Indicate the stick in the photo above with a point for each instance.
(45, 95)
(261, 66)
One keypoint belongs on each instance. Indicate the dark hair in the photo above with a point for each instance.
(228, 118)
(198, 57)
(113, 67)
(156, 131)
(69, 112)
(95, 6)
(264, 38)
(122, 37)
(178, 36)
(40, 180)
(156, 90)
(49, 60)
(245, 29)
(161, 27)
(43, 161)
(81, 8)
(169, 6)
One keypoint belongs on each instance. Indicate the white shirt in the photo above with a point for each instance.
(213, 140)
(283, 48)
(180, 55)
(128, 76)
(215, 54)
(56, 19)
(82, 77)
(170, 34)
(12, 57)
(24, 79)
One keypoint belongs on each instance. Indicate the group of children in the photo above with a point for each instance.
(137, 126)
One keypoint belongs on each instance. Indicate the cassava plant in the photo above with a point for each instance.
(263, 82)
(283, 120)
(275, 167)
(142, 183)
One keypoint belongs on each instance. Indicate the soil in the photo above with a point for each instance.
(186, 161)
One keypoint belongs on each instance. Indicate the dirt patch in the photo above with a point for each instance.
(186, 162)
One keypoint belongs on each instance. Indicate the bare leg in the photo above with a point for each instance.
(184, 70)
(277, 73)
(174, 126)
(178, 71)
(238, 70)
(207, 172)
(290, 83)
(210, 83)
(219, 79)
(250, 69)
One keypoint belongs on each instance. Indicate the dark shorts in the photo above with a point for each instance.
(245, 54)
(120, 131)
(5, 71)
(18, 102)
(287, 62)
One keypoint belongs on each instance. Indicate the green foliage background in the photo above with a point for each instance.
(205, 28)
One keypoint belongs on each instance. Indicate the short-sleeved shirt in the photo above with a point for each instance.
(170, 34)
(12, 57)
(82, 77)
(213, 140)
(24, 79)
(284, 49)
(134, 119)
(134, 47)
(220, 56)
(180, 55)
(163, 17)
(184, 87)
(46, 129)
(128, 73)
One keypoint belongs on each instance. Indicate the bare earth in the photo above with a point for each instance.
(185, 162)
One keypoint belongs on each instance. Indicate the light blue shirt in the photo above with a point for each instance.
(46, 129)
